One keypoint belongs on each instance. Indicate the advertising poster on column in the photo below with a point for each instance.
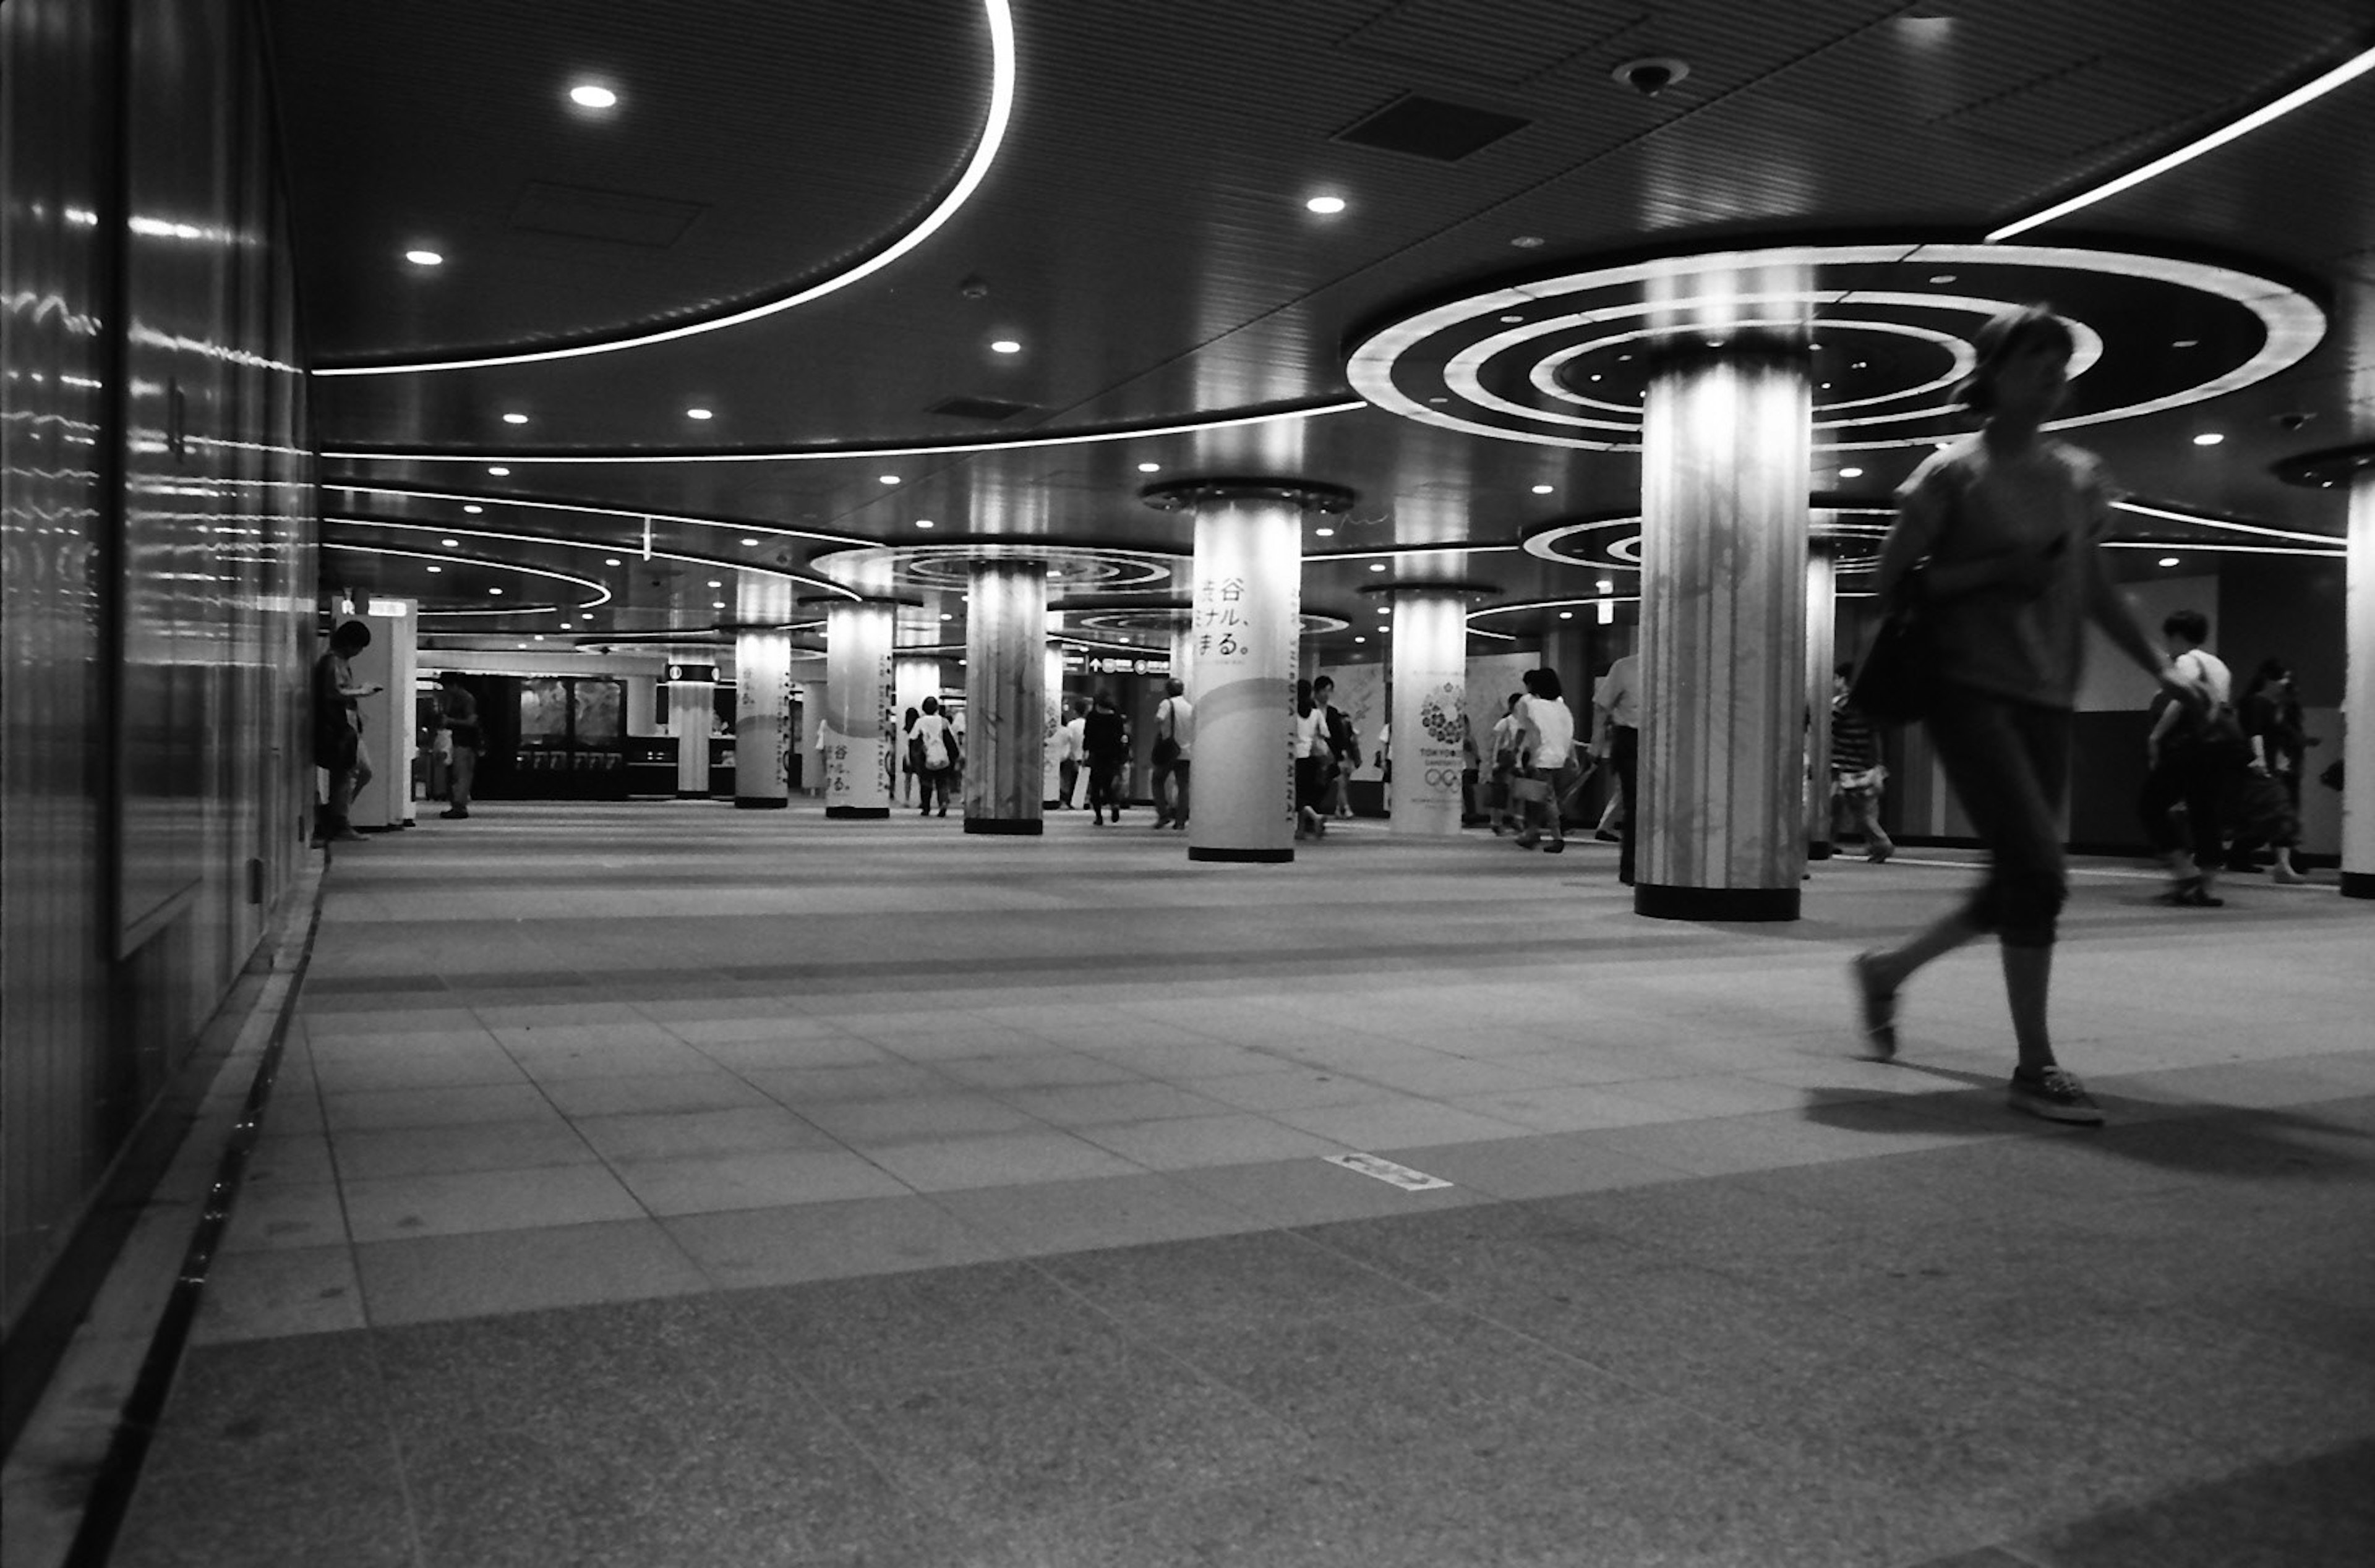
(1246, 620)
(1430, 708)
(854, 741)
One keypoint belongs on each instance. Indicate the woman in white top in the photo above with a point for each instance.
(1315, 763)
(2192, 756)
(1546, 731)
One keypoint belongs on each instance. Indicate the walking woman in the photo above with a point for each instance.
(1315, 763)
(1997, 536)
(1546, 736)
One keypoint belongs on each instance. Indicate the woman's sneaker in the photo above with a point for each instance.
(2055, 1095)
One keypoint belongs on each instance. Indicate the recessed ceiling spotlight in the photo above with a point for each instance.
(2187, 343)
(1513, 318)
(587, 95)
(890, 478)
(610, 561)
(1384, 610)
(1527, 242)
(587, 616)
(1850, 473)
(1542, 490)
(1006, 346)
(1326, 204)
(1377, 566)
(715, 583)
(436, 569)
(474, 511)
(499, 473)
(494, 589)
(515, 418)
(717, 604)
(1323, 532)
(699, 414)
(1360, 639)
(923, 521)
(2169, 561)
(1941, 278)
(1150, 467)
(2208, 438)
(452, 543)
(749, 544)
(1567, 614)
(1606, 585)
(947, 616)
(539, 637)
(424, 258)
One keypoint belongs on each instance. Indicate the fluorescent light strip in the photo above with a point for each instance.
(810, 454)
(2355, 67)
(2264, 532)
(2212, 548)
(1516, 605)
(442, 557)
(993, 132)
(1400, 551)
(638, 513)
(810, 579)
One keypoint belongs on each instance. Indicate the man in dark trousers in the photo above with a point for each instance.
(459, 712)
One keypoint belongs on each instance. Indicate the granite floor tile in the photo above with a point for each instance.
(1398, 1124)
(283, 1215)
(674, 1134)
(435, 1278)
(1254, 1280)
(1305, 1192)
(835, 1240)
(454, 1202)
(1049, 1218)
(1004, 1160)
(704, 1088)
(433, 1107)
(1004, 1445)
(269, 1295)
(383, 1153)
(910, 1118)
(705, 1183)
(1228, 1140)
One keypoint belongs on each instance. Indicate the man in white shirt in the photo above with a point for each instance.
(1174, 741)
(2191, 757)
(1616, 737)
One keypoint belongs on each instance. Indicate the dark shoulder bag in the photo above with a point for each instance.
(1895, 683)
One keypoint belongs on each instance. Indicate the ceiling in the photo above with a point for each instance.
(849, 176)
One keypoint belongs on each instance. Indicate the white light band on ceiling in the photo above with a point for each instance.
(993, 132)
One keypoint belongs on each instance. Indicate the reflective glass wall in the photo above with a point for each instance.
(156, 564)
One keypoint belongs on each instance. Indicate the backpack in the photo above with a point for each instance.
(936, 749)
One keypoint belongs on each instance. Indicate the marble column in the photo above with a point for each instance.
(1430, 697)
(693, 704)
(859, 731)
(1006, 698)
(2358, 695)
(1822, 610)
(1726, 434)
(1248, 621)
(762, 720)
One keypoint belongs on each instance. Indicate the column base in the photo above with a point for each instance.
(692, 795)
(1015, 827)
(858, 813)
(2359, 884)
(1242, 856)
(1660, 902)
(1820, 851)
(759, 803)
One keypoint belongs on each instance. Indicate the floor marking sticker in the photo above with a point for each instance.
(1387, 1171)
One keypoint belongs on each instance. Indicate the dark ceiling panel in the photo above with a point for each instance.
(1143, 235)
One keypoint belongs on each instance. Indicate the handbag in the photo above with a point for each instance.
(1895, 683)
(1530, 786)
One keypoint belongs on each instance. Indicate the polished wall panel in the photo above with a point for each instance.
(156, 562)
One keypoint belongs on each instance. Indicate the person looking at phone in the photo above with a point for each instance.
(338, 729)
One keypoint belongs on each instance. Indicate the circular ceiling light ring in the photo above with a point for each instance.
(1000, 17)
(2289, 325)
(1547, 379)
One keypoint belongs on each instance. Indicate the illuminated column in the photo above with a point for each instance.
(1006, 698)
(1430, 697)
(859, 696)
(913, 679)
(1821, 609)
(1183, 652)
(1724, 459)
(762, 720)
(1249, 592)
(692, 705)
(2359, 695)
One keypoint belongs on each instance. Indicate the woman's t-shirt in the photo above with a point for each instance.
(1554, 727)
(1311, 734)
(1967, 504)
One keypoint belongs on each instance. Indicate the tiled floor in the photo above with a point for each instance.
(659, 1184)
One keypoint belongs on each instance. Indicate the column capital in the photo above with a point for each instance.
(888, 601)
(1185, 495)
(1688, 351)
(2329, 467)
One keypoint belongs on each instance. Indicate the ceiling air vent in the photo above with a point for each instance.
(1431, 127)
(990, 408)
